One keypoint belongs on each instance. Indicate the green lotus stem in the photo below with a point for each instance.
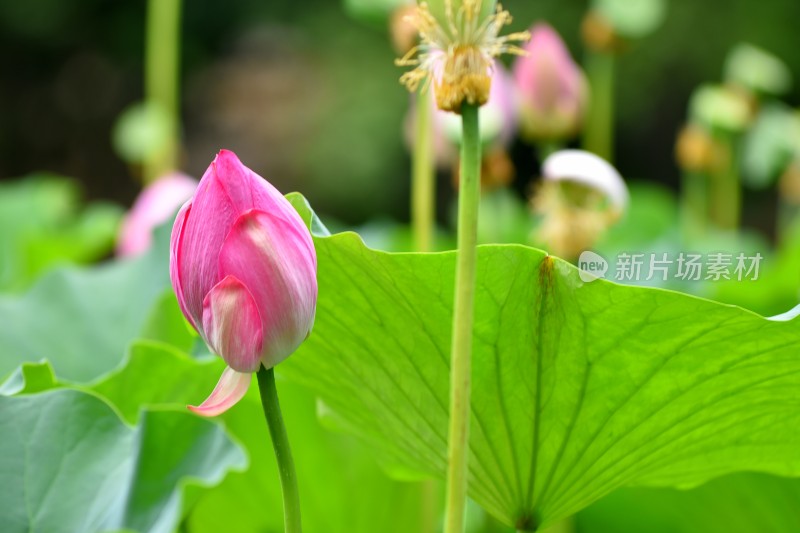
(788, 216)
(598, 135)
(162, 54)
(461, 354)
(423, 173)
(283, 453)
(546, 148)
(726, 187)
(694, 205)
(423, 194)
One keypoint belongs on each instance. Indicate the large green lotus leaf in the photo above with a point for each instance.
(152, 375)
(82, 319)
(68, 463)
(29, 378)
(737, 503)
(578, 388)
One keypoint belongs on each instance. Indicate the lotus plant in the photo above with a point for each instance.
(458, 41)
(552, 88)
(243, 266)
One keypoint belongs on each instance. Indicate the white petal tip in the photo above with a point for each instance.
(590, 170)
(231, 388)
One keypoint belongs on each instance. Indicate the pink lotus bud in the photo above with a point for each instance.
(154, 206)
(552, 89)
(243, 267)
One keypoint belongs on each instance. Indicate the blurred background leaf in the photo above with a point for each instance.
(85, 470)
(82, 319)
(42, 224)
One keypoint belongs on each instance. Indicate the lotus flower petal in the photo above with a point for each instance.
(247, 190)
(275, 259)
(175, 259)
(203, 233)
(232, 325)
(231, 388)
(590, 170)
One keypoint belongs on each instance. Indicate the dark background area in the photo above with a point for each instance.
(308, 96)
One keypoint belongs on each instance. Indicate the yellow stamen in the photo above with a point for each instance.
(458, 61)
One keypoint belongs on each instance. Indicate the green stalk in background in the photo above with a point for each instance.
(547, 148)
(789, 204)
(788, 215)
(423, 222)
(423, 177)
(726, 186)
(162, 54)
(694, 205)
(598, 136)
(461, 350)
(283, 453)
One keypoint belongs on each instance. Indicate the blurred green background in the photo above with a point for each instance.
(308, 95)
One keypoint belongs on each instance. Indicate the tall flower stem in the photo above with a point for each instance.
(694, 206)
(461, 354)
(162, 55)
(423, 174)
(727, 188)
(599, 133)
(283, 453)
(423, 216)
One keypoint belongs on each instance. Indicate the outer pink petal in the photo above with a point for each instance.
(232, 325)
(231, 388)
(275, 259)
(175, 258)
(247, 190)
(210, 220)
(227, 189)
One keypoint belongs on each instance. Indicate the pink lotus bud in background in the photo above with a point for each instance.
(552, 88)
(154, 206)
(243, 267)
